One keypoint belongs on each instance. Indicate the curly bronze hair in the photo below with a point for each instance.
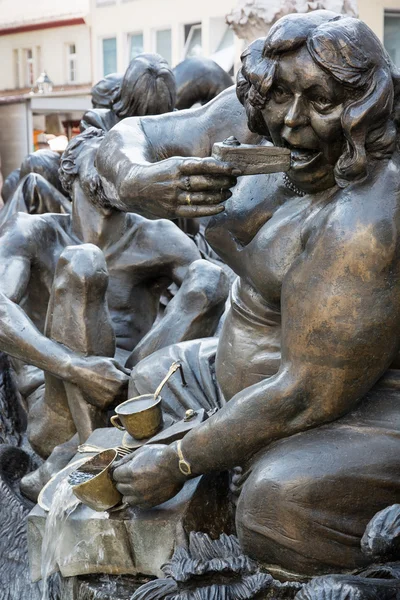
(71, 162)
(348, 51)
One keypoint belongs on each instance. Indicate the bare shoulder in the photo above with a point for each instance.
(362, 225)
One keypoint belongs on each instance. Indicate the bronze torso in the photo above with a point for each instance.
(249, 348)
(130, 269)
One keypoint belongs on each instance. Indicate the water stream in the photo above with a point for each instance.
(63, 504)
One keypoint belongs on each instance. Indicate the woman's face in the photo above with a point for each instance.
(303, 113)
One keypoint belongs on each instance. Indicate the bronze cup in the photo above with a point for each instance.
(99, 493)
(141, 416)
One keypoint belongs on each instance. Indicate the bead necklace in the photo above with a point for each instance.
(289, 184)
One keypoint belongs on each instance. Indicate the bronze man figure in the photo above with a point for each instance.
(88, 287)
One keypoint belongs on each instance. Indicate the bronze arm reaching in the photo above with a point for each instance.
(133, 183)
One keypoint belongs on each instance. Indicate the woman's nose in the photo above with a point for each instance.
(297, 115)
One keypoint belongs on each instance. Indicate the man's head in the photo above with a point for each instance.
(105, 90)
(148, 88)
(78, 162)
(364, 90)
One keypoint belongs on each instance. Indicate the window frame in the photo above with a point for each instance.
(72, 58)
(155, 32)
(29, 68)
(17, 67)
(130, 34)
(101, 42)
(396, 15)
(193, 27)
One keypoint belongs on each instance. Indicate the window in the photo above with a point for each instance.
(135, 44)
(163, 44)
(225, 52)
(109, 55)
(193, 40)
(71, 63)
(29, 76)
(16, 69)
(391, 36)
(228, 40)
(38, 61)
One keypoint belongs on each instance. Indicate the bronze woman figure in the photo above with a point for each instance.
(306, 363)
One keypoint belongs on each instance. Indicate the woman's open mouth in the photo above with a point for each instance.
(302, 158)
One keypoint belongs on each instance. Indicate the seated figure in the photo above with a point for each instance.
(44, 162)
(38, 189)
(77, 290)
(306, 363)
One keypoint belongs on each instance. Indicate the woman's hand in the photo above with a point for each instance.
(179, 187)
(150, 477)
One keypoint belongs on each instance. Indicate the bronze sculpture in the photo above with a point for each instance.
(104, 91)
(314, 319)
(45, 163)
(89, 285)
(10, 185)
(147, 88)
(35, 188)
(199, 80)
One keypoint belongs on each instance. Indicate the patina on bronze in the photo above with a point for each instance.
(309, 409)
(250, 159)
(90, 286)
(142, 416)
(147, 88)
(99, 492)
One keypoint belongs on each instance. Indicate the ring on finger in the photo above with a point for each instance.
(188, 201)
(187, 182)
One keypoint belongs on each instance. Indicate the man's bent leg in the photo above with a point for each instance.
(77, 317)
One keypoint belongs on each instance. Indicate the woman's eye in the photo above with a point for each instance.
(322, 103)
(280, 94)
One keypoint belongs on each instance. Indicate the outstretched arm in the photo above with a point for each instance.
(142, 165)
(340, 328)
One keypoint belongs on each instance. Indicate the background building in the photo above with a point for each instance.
(121, 29)
(383, 16)
(37, 36)
(176, 29)
(40, 35)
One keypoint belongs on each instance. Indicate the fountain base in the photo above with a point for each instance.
(132, 541)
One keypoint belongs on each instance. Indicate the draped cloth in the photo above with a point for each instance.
(197, 358)
(305, 500)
